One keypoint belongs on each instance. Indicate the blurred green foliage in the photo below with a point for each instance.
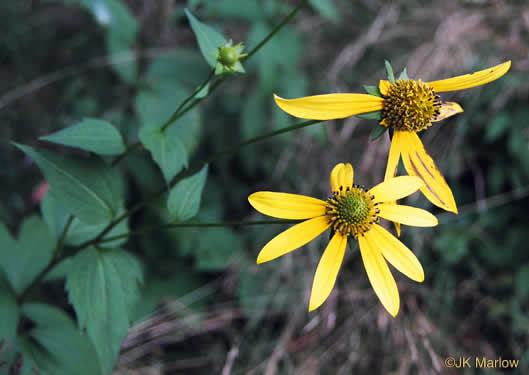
(130, 63)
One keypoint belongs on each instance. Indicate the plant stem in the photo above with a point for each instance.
(191, 170)
(275, 30)
(176, 113)
(55, 260)
(196, 225)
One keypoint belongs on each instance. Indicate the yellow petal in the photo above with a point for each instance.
(407, 215)
(396, 253)
(391, 171)
(345, 177)
(418, 163)
(335, 182)
(327, 271)
(448, 109)
(393, 161)
(383, 87)
(471, 80)
(330, 106)
(293, 238)
(379, 274)
(396, 188)
(287, 206)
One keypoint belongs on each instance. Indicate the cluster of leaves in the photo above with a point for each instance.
(84, 226)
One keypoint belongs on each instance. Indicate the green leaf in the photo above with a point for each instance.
(203, 92)
(9, 312)
(376, 115)
(166, 150)
(91, 135)
(327, 9)
(84, 187)
(404, 74)
(55, 346)
(157, 104)
(208, 39)
(378, 131)
(522, 282)
(79, 232)
(184, 197)
(372, 90)
(103, 287)
(217, 248)
(389, 71)
(24, 259)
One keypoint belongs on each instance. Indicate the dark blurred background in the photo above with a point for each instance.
(206, 306)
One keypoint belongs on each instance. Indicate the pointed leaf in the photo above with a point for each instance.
(166, 149)
(376, 115)
(55, 346)
(24, 259)
(404, 74)
(56, 218)
(378, 131)
(389, 71)
(85, 187)
(372, 90)
(184, 197)
(9, 312)
(103, 287)
(208, 39)
(91, 134)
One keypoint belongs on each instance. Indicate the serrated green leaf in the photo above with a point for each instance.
(376, 115)
(56, 218)
(24, 259)
(372, 90)
(9, 312)
(327, 9)
(55, 346)
(389, 71)
(184, 198)
(404, 74)
(166, 150)
(378, 131)
(91, 135)
(208, 39)
(103, 287)
(84, 187)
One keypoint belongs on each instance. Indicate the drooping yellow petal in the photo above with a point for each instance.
(327, 271)
(396, 253)
(335, 182)
(418, 163)
(383, 87)
(391, 171)
(330, 106)
(471, 80)
(293, 238)
(379, 274)
(287, 206)
(447, 109)
(407, 215)
(395, 188)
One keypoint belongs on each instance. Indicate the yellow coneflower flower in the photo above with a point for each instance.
(351, 211)
(408, 107)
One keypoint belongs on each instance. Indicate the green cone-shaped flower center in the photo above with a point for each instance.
(353, 208)
(410, 106)
(352, 212)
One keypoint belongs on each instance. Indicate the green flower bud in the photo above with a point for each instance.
(228, 57)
